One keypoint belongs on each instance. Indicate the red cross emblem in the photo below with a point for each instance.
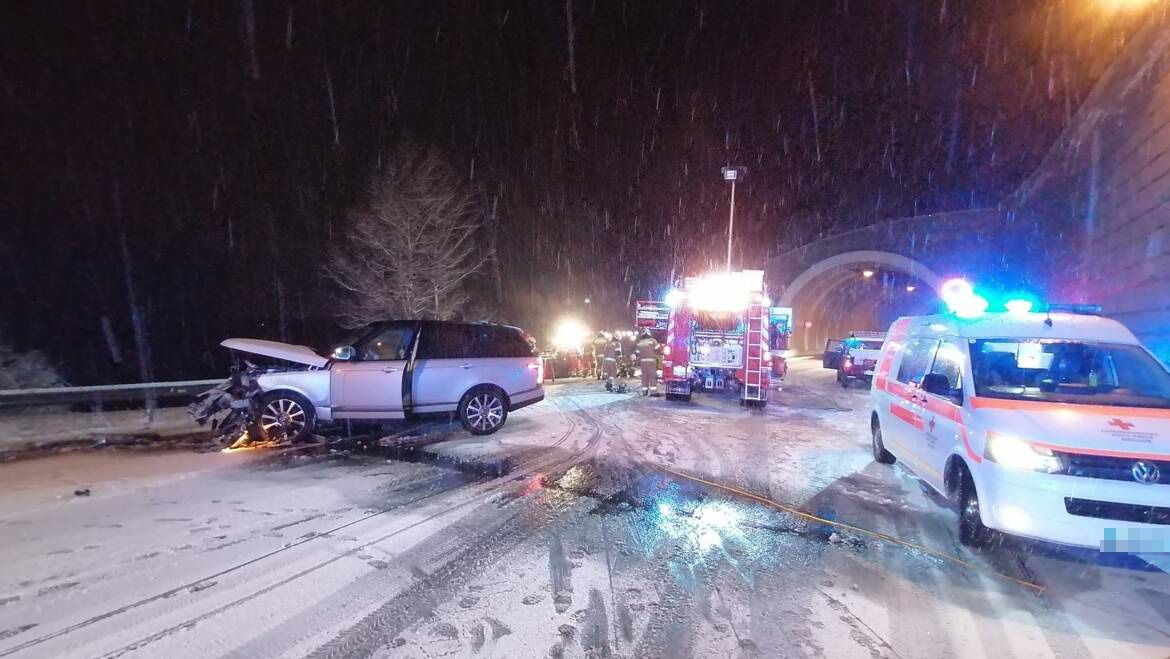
(1118, 423)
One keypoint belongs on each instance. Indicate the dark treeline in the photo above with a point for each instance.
(174, 172)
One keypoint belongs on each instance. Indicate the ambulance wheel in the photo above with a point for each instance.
(972, 532)
(880, 454)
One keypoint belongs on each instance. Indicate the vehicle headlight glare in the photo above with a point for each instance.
(1015, 453)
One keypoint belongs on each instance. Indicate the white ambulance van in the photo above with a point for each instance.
(1054, 426)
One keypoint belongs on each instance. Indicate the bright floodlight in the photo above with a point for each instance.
(867, 273)
(570, 334)
(1019, 306)
(1125, 5)
(910, 289)
(674, 298)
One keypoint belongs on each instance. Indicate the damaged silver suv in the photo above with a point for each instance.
(392, 370)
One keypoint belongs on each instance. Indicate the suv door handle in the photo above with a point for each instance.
(389, 369)
(465, 365)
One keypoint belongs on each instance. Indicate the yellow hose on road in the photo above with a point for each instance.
(849, 527)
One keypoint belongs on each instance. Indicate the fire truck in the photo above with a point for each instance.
(717, 337)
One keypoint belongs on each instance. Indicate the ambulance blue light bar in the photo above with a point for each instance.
(1083, 309)
(1018, 306)
(961, 299)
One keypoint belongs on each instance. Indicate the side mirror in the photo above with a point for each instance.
(344, 353)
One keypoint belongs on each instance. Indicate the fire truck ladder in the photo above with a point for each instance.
(753, 365)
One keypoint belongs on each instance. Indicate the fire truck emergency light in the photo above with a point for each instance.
(723, 291)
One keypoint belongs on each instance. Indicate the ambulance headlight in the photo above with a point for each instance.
(1015, 453)
(679, 371)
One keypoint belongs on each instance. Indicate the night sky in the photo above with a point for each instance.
(185, 165)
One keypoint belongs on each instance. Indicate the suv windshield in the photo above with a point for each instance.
(1068, 372)
(864, 344)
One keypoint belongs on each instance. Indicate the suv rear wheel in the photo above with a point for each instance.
(483, 410)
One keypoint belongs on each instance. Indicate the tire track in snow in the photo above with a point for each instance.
(491, 485)
(409, 606)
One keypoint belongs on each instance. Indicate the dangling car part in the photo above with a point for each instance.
(228, 410)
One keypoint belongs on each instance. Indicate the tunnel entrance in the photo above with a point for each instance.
(863, 290)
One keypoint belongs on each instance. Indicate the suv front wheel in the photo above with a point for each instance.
(286, 417)
(483, 410)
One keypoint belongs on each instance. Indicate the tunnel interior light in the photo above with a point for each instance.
(867, 273)
(1018, 306)
(910, 288)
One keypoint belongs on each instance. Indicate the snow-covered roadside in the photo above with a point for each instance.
(25, 433)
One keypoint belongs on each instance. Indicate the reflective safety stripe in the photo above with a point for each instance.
(906, 415)
(983, 402)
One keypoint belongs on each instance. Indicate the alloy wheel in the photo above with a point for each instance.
(283, 418)
(485, 411)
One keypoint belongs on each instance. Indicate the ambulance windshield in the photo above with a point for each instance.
(1068, 372)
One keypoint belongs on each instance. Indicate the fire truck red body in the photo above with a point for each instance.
(717, 337)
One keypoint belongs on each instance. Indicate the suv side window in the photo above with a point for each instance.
(504, 342)
(916, 360)
(391, 343)
(446, 341)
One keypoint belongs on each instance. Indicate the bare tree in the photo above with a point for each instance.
(412, 246)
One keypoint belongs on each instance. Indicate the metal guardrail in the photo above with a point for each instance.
(102, 394)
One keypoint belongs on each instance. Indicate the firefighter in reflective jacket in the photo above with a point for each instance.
(600, 342)
(613, 352)
(647, 350)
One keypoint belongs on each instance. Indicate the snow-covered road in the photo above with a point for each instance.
(578, 530)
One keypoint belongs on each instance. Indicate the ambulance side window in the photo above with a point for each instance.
(916, 360)
(948, 362)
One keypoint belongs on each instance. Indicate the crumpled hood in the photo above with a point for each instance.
(286, 351)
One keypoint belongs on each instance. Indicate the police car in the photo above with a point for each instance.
(1053, 425)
